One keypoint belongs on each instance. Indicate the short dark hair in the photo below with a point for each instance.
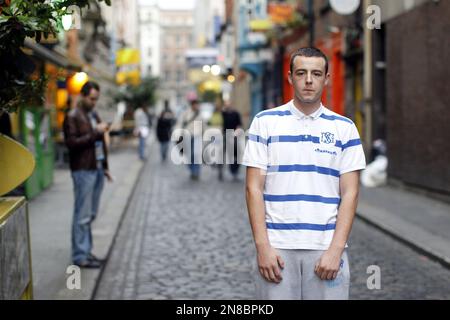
(88, 86)
(309, 52)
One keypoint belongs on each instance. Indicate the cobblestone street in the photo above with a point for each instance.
(192, 240)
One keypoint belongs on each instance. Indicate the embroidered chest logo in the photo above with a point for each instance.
(327, 137)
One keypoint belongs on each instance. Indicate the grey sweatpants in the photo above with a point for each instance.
(299, 280)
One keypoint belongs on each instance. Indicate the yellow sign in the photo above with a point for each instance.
(131, 77)
(16, 164)
(261, 25)
(127, 56)
(210, 85)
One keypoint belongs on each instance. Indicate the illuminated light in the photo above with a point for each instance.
(215, 70)
(206, 68)
(81, 77)
(76, 82)
(231, 78)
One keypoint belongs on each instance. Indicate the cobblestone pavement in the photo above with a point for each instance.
(191, 240)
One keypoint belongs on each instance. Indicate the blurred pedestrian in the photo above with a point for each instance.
(216, 122)
(141, 129)
(84, 134)
(232, 121)
(166, 121)
(192, 122)
(302, 188)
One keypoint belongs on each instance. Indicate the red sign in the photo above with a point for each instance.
(281, 12)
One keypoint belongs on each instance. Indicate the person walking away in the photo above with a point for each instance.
(303, 163)
(84, 134)
(216, 122)
(141, 123)
(232, 121)
(192, 122)
(164, 126)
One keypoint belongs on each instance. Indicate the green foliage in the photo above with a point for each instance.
(209, 96)
(20, 19)
(143, 94)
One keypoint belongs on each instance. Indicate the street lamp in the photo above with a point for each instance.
(215, 70)
(76, 82)
(206, 68)
(231, 78)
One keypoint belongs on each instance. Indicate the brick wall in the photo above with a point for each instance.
(418, 103)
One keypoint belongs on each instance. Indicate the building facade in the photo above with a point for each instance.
(175, 38)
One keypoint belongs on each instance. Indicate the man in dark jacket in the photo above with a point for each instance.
(164, 126)
(84, 136)
(232, 121)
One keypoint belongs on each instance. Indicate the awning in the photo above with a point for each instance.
(51, 56)
(256, 69)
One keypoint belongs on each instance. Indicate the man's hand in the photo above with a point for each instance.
(327, 267)
(109, 176)
(269, 263)
(102, 127)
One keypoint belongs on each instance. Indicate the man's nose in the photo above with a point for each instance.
(309, 78)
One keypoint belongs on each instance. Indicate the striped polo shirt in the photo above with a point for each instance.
(303, 157)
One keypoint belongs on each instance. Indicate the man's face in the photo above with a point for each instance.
(91, 99)
(308, 78)
(195, 106)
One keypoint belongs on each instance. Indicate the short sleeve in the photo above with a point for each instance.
(255, 154)
(352, 157)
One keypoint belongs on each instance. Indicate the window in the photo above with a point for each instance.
(149, 52)
(179, 76)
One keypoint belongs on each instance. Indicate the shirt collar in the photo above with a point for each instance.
(300, 115)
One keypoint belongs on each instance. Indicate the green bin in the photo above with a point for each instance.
(37, 137)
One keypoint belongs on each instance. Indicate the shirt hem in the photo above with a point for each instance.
(296, 246)
(358, 168)
(254, 165)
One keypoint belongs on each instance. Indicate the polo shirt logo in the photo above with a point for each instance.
(327, 138)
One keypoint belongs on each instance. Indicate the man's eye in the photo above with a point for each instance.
(317, 74)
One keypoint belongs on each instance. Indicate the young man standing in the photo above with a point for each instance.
(302, 188)
(84, 136)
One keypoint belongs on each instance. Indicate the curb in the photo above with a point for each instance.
(111, 246)
(421, 249)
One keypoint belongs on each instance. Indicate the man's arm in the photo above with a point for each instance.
(327, 267)
(73, 141)
(269, 260)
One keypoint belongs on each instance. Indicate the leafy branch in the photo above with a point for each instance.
(20, 19)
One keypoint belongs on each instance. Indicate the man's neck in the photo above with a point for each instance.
(83, 108)
(307, 108)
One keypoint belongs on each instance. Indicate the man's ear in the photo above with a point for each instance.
(290, 77)
(327, 79)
